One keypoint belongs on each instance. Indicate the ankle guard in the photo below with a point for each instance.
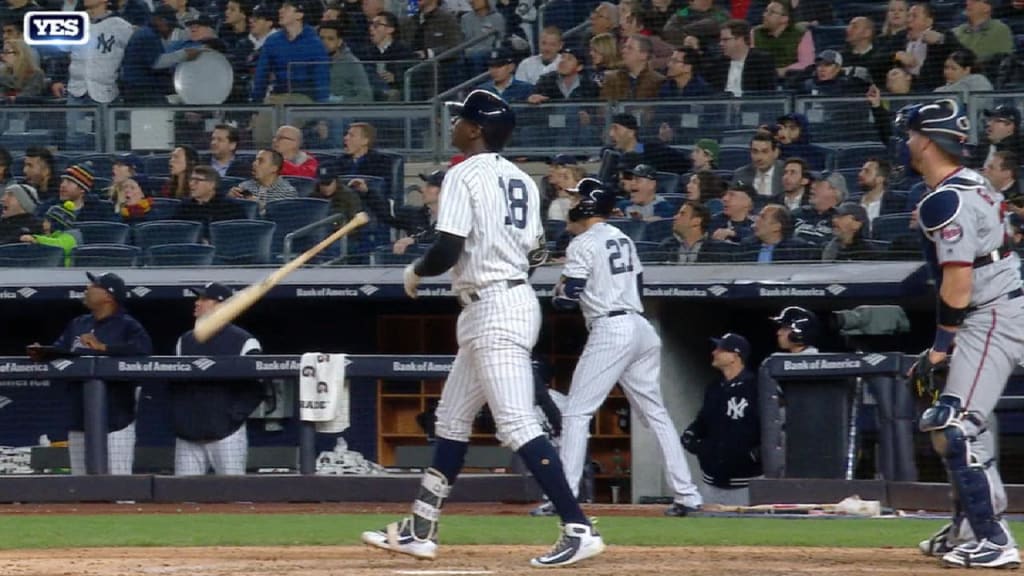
(426, 509)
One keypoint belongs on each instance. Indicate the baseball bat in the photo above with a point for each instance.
(233, 307)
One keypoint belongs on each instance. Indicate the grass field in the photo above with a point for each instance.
(65, 531)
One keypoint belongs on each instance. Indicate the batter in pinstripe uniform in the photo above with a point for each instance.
(489, 234)
(604, 277)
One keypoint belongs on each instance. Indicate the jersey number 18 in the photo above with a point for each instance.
(516, 193)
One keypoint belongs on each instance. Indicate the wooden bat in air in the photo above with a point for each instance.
(233, 307)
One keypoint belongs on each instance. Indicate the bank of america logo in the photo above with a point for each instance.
(5, 401)
(718, 290)
(368, 289)
(835, 289)
(140, 291)
(203, 364)
(874, 359)
(27, 292)
(61, 364)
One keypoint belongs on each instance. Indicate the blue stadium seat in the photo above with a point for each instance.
(303, 186)
(553, 228)
(714, 206)
(105, 212)
(732, 157)
(164, 208)
(156, 165)
(155, 184)
(103, 232)
(632, 228)
(658, 230)
(292, 214)
(102, 165)
(828, 37)
(889, 227)
(855, 156)
(227, 183)
(30, 256)
(100, 184)
(649, 252)
(249, 208)
(668, 182)
(148, 234)
(239, 242)
(105, 255)
(180, 255)
(676, 199)
(850, 175)
(395, 187)
(609, 163)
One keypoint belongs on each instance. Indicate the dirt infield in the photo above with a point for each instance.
(497, 560)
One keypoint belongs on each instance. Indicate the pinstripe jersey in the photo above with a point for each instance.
(495, 206)
(606, 258)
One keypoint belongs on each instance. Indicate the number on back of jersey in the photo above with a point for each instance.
(620, 255)
(517, 202)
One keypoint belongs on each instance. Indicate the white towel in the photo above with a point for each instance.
(323, 391)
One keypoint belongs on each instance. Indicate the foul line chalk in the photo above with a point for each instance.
(429, 572)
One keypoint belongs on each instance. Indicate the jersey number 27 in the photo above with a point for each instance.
(620, 255)
(516, 193)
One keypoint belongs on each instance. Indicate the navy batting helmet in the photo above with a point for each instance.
(595, 200)
(942, 121)
(803, 324)
(492, 114)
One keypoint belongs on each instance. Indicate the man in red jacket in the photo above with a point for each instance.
(288, 142)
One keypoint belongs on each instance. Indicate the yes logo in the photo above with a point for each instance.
(56, 28)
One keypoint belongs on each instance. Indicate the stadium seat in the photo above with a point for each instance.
(384, 255)
(156, 165)
(227, 183)
(105, 213)
(850, 175)
(668, 182)
(828, 38)
(164, 208)
(105, 255)
(103, 232)
(395, 187)
(155, 184)
(676, 199)
(714, 206)
(303, 186)
(649, 252)
(99, 185)
(632, 228)
(102, 165)
(294, 213)
(609, 164)
(889, 227)
(249, 208)
(148, 234)
(855, 156)
(30, 256)
(553, 228)
(180, 255)
(239, 242)
(732, 157)
(658, 230)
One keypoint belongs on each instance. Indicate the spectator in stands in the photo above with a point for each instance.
(960, 75)
(390, 55)
(76, 187)
(482, 19)
(623, 134)
(266, 184)
(789, 44)
(125, 166)
(39, 173)
(361, 155)
(18, 217)
(183, 11)
(501, 67)
(567, 82)
(419, 222)
(851, 229)
(682, 78)
(223, 145)
(635, 80)
(689, 242)
(358, 15)
(604, 19)
(734, 223)
(764, 172)
(634, 24)
(5, 167)
(796, 183)
(604, 57)
(546, 60)
(294, 58)
(142, 82)
(894, 29)
(58, 220)
(204, 204)
(660, 11)
(705, 155)
(927, 49)
(433, 30)
(862, 51)
(873, 181)
(93, 70)
(349, 82)
(20, 75)
(793, 132)
(132, 203)
(234, 29)
(183, 159)
(773, 239)
(1002, 133)
(641, 181)
(262, 25)
(563, 176)
(343, 200)
(741, 69)
(288, 142)
(830, 79)
(982, 34)
(704, 185)
(1001, 169)
(814, 222)
(700, 17)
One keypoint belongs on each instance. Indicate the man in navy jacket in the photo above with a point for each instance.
(295, 57)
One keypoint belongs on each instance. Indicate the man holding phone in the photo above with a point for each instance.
(266, 184)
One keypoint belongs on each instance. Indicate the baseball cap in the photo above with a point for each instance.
(745, 188)
(501, 57)
(576, 53)
(829, 57)
(562, 159)
(167, 14)
(435, 178)
(837, 181)
(201, 20)
(265, 12)
(130, 160)
(110, 282)
(733, 343)
(643, 171)
(326, 172)
(858, 212)
(625, 120)
(1004, 112)
(791, 117)
(213, 291)
(710, 146)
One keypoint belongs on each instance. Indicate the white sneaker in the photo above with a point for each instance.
(983, 554)
(578, 542)
(399, 537)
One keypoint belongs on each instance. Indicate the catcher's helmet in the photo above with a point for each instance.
(488, 111)
(595, 200)
(942, 121)
(803, 324)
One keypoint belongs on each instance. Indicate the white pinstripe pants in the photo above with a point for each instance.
(120, 451)
(227, 456)
(495, 335)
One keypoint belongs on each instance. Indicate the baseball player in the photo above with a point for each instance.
(981, 313)
(209, 417)
(603, 277)
(489, 233)
(796, 330)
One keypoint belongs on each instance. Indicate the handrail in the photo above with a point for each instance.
(407, 77)
(286, 249)
(443, 96)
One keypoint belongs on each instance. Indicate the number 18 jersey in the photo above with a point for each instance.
(606, 258)
(495, 206)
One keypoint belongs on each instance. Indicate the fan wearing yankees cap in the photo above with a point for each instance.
(419, 221)
(107, 330)
(796, 330)
(209, 416)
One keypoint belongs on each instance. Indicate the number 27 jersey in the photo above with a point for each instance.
(495, 206)
(606, 258)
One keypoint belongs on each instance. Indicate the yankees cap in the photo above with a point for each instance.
(213, 291)
(733, 343)
(110, 282)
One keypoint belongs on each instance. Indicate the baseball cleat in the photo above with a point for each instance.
(939, 544)
(679, 510)
(577, 542)
(545, 509)
(398, 537)
(983, 554)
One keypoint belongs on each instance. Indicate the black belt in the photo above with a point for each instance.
(474, 297)
(1011, 295)
(994, 256)
(615, 313)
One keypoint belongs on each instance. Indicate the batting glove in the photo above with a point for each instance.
(411, 280)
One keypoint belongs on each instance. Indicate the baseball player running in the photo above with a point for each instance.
(603, 276)
(981, 312)
(489, 232)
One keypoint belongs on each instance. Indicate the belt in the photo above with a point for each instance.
(475, 296)
(993, 256)
(1011, 295)
(615, 313)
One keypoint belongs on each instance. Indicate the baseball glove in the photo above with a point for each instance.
(928, 379)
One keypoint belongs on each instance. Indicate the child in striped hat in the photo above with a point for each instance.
(57, 224)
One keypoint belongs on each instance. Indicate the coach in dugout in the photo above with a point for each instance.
(107, 330)
(209, 417)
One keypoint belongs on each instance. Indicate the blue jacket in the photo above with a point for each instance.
(278, 51)
(726, 435)
(517, 91)
(123, 336)
(140, 82)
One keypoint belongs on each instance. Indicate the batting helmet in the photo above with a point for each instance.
(942, 121)
(492, 114)
(802, 323)
(595, 200)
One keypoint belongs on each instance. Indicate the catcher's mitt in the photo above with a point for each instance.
(928, 379)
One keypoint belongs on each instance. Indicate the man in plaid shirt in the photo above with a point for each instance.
(266, 184)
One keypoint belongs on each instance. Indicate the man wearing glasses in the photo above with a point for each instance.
(390, 54)
(288, 142)
(741, 69)
(204, 204)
